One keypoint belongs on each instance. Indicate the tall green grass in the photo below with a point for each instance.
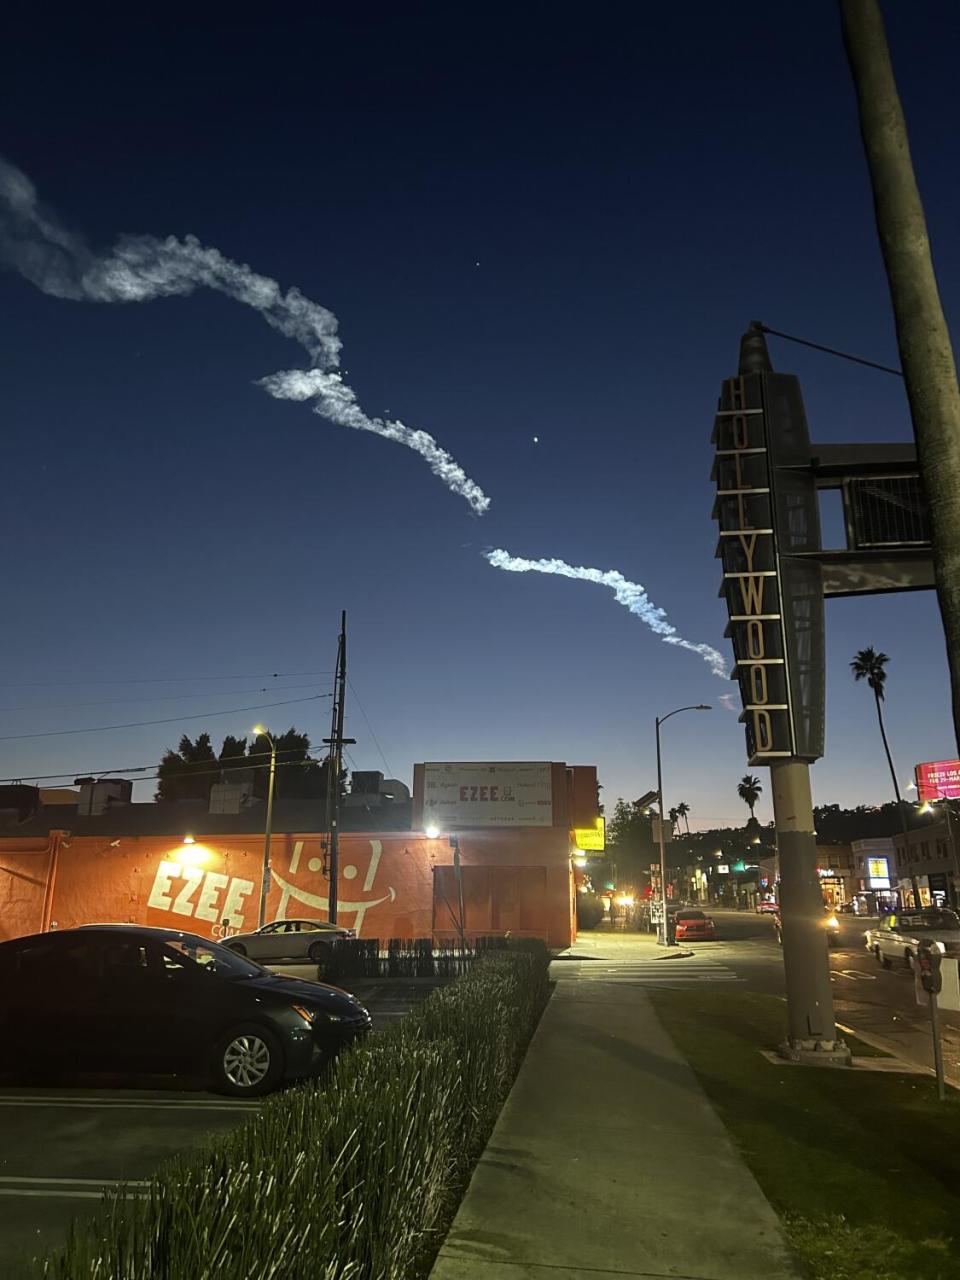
(353, 1177)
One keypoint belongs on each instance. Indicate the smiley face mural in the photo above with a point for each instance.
(385, 886)
(294, 885)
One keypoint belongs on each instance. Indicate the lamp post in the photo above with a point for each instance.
(432, 832)
(261, 732)
(664, 939)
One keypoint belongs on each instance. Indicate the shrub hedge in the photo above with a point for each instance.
(352, 1177)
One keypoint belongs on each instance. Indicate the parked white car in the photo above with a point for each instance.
(288, 940)
(899, 935)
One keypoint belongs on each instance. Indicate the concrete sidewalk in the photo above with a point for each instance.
(607, 1159)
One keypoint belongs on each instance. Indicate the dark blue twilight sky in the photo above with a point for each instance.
(533, 220)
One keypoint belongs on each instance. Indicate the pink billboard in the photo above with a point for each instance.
(938, 780)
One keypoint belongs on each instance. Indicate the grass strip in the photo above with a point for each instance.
(352, 1177)
(864, 1169)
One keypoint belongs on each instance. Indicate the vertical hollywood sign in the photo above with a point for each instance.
(748, 553)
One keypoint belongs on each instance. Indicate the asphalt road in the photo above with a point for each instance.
(871, 1001)
(62, 1146)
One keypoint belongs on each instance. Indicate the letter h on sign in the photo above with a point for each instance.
(766, 507)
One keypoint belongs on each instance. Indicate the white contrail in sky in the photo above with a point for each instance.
(630, 594)
(141, 268)
(337, 401)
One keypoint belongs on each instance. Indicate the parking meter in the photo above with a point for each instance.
(929, 955)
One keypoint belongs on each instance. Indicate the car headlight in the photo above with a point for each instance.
(832, 922)
(313, 1016)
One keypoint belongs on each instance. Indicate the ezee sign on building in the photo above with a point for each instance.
(767, 511)
(469, 794)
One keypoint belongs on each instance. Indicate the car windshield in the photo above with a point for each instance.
(691, 915)
(190, 955)
(931, 920)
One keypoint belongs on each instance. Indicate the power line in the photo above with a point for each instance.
(269, 675)
(217, 766)
(166, 697)
(832, 351)
(370, 727)
(139, 724)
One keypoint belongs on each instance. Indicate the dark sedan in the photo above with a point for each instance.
(131, 1000)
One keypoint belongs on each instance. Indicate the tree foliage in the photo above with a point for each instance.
(630, 842)
(190, 771)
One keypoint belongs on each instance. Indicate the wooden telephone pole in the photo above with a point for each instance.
(336, 742)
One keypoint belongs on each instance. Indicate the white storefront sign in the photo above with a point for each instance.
(464, 795)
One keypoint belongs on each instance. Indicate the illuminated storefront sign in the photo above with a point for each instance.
(591, 838)
(878, 873)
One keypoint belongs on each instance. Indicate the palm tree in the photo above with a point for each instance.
(674, 819)
(870, 665)
(749, 789)
(926, 353)
(683, 811)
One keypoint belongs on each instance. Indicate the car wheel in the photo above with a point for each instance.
(237, 948)
(247, 1062)
(318, 952)
(885, 960)
(908, 959)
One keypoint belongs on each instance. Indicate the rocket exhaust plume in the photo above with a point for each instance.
(630, 594)
(141, 268)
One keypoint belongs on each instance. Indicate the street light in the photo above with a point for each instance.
(261, 732)
(664, 939)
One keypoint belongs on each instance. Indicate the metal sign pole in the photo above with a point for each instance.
(937, 1046)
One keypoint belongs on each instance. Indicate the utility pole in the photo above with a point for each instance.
(336, 743)
(810, 1018)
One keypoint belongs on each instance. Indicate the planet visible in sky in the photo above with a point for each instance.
(536, 439)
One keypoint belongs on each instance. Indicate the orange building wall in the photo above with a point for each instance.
(385, 887)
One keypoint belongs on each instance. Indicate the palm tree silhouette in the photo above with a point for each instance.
(870, 665)
(683, 811)
(749, 789)
(674, 815)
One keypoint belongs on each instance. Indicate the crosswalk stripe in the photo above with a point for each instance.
(652, 973)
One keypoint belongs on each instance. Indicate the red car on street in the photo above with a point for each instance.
(694, 926)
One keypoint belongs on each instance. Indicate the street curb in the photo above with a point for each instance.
(877, 1042)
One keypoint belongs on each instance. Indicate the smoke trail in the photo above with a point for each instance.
(337, 402)
(630, 594)
(140, 268)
